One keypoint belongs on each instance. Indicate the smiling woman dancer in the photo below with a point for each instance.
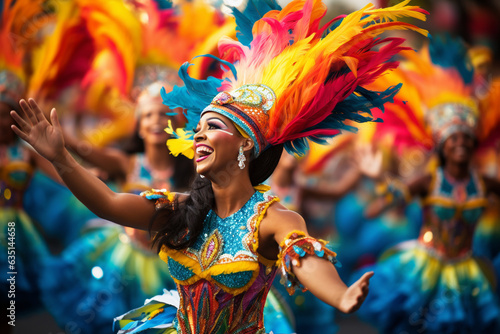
(224, 240)
(435, 284)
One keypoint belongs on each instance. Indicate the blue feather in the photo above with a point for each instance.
(254, 11)
(360, 102)
(163, 4)
(196, 94)
(447, 52)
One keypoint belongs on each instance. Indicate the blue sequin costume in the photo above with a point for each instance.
(102, 273)
(433, 284)
(222, 280)
(22, 247)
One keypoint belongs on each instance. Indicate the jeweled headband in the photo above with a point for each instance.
(451, 117)
(11, 88)
(247, 107)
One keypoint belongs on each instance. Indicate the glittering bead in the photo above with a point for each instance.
(234, 280)
(300, 252)
(295, 246)
(319, 253)
(178, 271)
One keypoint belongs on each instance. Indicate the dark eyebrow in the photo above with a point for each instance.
(217, 119)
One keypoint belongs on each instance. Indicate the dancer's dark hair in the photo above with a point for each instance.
(178, 224)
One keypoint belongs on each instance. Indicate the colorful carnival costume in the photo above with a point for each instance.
(289, 79)
(434, 284)
(222, 281)
(22, 246)
(108, 278)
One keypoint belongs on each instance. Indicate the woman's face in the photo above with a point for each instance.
(6, 133)
(216, 144)
(458, 148)
(152, 123)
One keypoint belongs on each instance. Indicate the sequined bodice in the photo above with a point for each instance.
(15, 174)
(222, 281)
(451, 213)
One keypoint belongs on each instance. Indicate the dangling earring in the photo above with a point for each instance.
(202, 176)
(241, 158)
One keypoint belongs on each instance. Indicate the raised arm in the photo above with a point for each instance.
(47, 139)
(397, 193)
(314, 271)
(113, 161)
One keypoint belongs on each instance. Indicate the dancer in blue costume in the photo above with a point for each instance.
(224, 241)
(363, 239)
(107, 280)
(22, 246)
(434, 284)
(313, 186)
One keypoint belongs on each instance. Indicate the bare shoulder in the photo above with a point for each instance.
(280, 220)
(275, 226)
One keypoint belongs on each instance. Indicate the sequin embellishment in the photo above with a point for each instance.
(210, 250)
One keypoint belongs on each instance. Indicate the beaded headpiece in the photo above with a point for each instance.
(247, 107)
(11, 87)
(288, 79)
(448, 118)
(13, 17)
(437, 98)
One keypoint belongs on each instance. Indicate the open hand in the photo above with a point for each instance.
(34, 128)
(355, 295)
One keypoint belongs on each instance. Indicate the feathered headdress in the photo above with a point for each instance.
(437, 98)
(290, 78)
(94, 45)
(14, 39)
(170, 36)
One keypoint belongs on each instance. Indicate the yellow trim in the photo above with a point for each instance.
(263, 211)
(262, 188)
(471, 204)
(266, 262)
(241, 131)
(15, 166)
(449, 97)
(216, 269)
(225, 268)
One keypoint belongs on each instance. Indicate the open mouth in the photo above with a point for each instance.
(461, 150)
(156, 130)
(203, 151)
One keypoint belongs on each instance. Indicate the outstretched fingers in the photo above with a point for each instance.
(364, 281)
(25, 127)
(54, 119)
(20, 133)
(366, 277)
(36, 110)
(29, 116)
(363, 285)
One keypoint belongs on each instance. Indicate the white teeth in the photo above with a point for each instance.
(156, 130)
(201, 149)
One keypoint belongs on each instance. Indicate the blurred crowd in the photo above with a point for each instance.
(413, 198)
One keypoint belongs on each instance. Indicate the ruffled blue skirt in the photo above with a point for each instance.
(361, 241)
(22, 252)
(414, 291)
(99, 276)
(59, 213)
